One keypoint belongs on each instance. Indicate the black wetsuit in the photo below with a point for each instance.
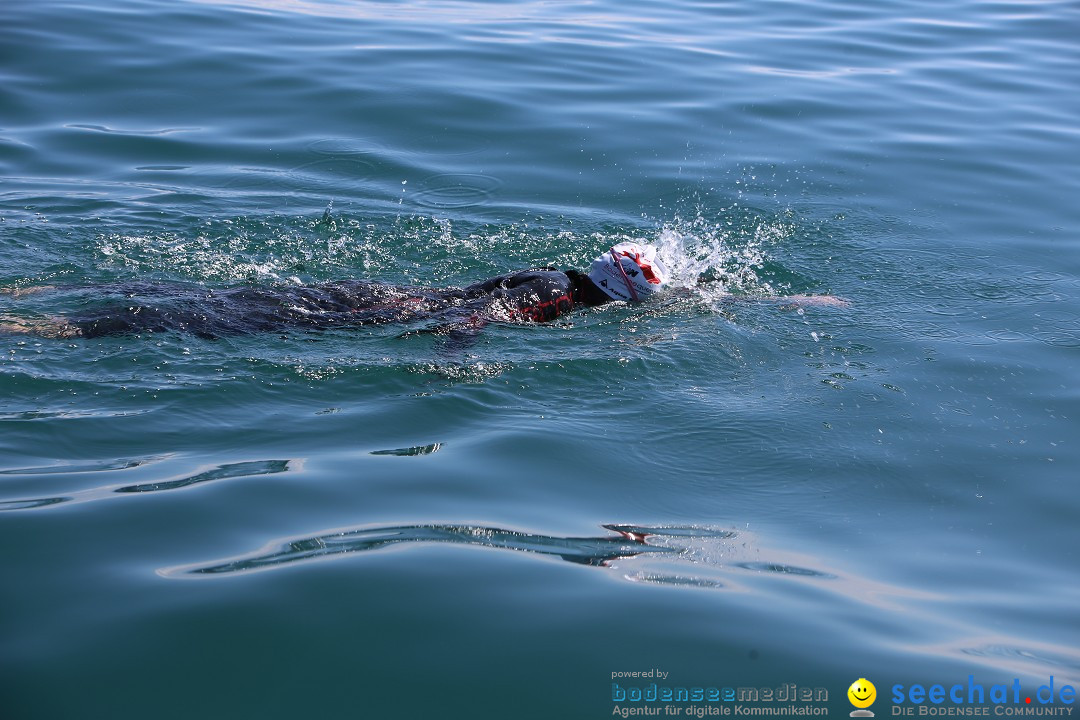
(526, 296)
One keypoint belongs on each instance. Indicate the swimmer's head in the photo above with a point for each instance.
(629, 272)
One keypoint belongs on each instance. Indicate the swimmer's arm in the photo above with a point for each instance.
(506, 281)
(455, 337)
(489, 285)
(17, 291)
(123, 287)
(786, 302)
(472, 325)
(467, 319)
(790, 302)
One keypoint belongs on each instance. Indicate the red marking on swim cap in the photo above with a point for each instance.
(626, 279)
(646, 268)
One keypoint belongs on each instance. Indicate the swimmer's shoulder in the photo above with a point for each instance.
(519, 278)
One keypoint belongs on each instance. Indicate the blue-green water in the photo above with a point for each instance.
(356, 524)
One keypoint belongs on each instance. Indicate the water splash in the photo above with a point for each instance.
(274, 249)
(721, 258)
(727, 253)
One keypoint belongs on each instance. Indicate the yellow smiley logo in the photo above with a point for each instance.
(862, 693)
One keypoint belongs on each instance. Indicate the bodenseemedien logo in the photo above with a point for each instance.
(862, 694)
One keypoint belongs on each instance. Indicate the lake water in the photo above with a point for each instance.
(357, 524)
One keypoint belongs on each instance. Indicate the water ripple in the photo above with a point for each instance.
(336, 147)
(118, 131)
(1061, 658)
(105, 465)
(456, 191)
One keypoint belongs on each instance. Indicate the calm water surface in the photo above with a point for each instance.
(359, 524)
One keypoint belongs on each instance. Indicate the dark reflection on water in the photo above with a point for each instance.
(673, 531)
(31, 504)
(411, 451)
(687, 545)
(783, 569)
(584, 550)
(221, 472)
(232, 470)
(682, 543)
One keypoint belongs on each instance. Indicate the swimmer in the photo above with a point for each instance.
(628, 272)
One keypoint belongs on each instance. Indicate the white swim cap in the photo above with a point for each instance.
(629, 272)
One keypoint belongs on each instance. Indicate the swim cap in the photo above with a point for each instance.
(629, 272)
